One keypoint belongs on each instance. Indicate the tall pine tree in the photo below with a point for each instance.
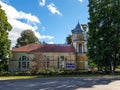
(104, 33)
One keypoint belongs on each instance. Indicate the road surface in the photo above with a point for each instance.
(62, 83)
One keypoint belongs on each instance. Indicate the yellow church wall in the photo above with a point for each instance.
(80, 43)
(13, 65)
(82, 58)
(16, 56)
(53, 57)
(80, 65)
(81, 61)
(77, 37)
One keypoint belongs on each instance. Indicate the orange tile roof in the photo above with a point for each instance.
(45, 48)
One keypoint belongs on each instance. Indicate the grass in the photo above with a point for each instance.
(49, 76)
(18, 77)
(67, 73)
(33, 77)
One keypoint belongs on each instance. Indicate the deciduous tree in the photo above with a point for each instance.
(40, 61)
(69, 39)
(5, 42)
(104, 33)
(27, 37)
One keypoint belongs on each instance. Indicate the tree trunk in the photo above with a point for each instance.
(112, 68)
(115, 61)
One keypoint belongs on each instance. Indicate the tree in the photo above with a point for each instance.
(43, 42)
(84, 26)
(69, 39)
(5, 27)
(104, 33)
(41, 62)
(27, 37)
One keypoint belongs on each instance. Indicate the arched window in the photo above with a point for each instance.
(23, 62)
(80, 48)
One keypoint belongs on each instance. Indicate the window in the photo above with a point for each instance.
(62, 58)
(75, 37)
(46, 60)
(81, 37)
(61, 62)
(58, 63)
(80, 48)
(23, 62)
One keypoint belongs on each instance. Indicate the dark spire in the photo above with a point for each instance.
(78, 29)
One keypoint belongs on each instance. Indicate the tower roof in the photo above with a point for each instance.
(78, 29)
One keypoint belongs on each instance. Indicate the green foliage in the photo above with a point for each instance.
(43, 42)
(69, 39)
(27, 37)
(84, 26)
(104, 33)
(91, 64)
(5, 27)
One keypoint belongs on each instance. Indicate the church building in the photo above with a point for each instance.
(56, 56)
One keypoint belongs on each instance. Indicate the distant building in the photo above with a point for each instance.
(60, 56)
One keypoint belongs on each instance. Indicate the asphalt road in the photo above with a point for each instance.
(64, 83)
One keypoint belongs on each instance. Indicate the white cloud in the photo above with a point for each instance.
(52, 8)
(18, 26)
(18, 14)
(44, 36)
(80, 1)
(50, 42)
(47, 36)
(42, 3)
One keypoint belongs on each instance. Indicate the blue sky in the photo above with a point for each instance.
(51, 20)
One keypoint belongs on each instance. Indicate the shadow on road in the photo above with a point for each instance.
(63, 83)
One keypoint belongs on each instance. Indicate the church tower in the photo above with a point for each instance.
(79, 41)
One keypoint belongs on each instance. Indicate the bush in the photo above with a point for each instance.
(50, 71)
(55, 72)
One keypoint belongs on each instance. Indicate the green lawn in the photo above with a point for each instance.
(31, 77)
(18, 77)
